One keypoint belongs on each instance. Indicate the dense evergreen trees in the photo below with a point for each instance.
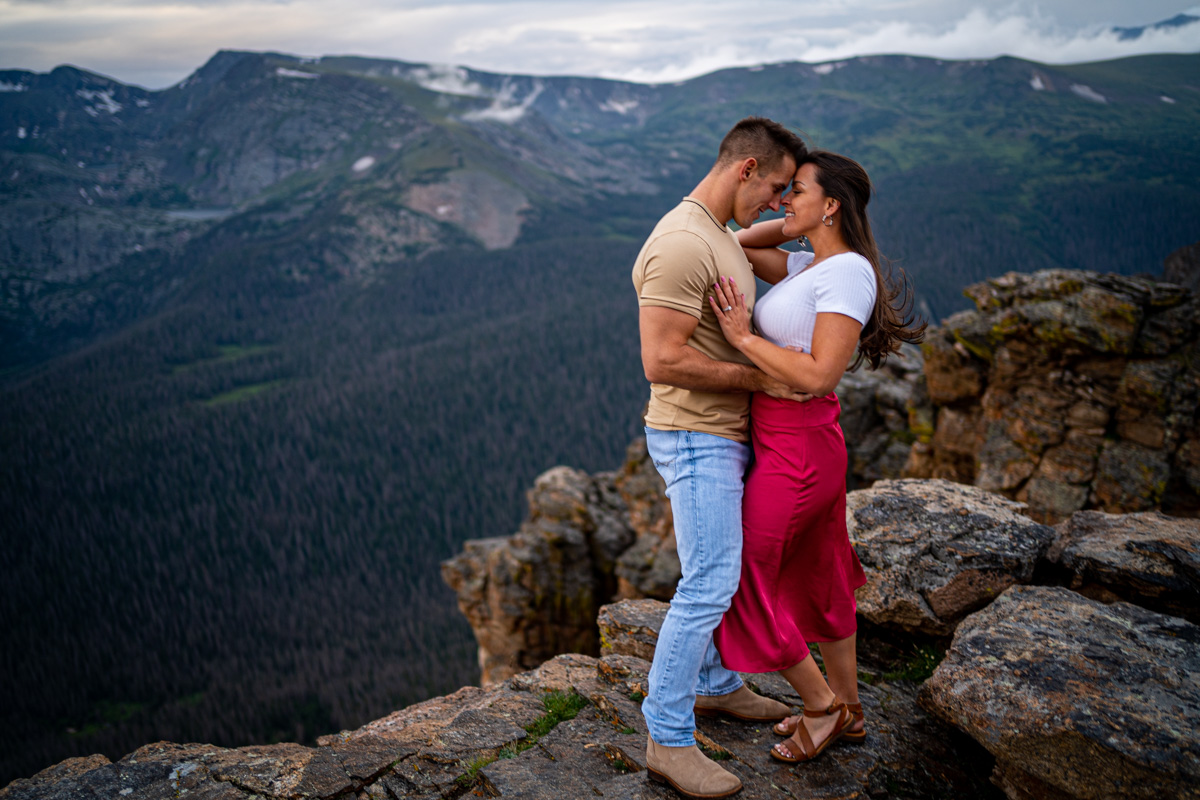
(229, 522)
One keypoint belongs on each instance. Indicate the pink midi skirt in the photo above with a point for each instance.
(799, 571)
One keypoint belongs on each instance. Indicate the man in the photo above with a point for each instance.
(696, 433)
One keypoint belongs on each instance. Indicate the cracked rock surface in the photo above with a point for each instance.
(1148, 558)
(1074, 698)
(934, 551)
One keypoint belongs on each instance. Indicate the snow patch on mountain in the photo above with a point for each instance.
(619, 106)
(284, 72)
(1088, 93)
(505, 107)
(103, 100)
(825, 69)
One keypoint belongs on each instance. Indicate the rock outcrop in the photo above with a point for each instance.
(588, 540)
(1148, 558)
(1074, 698)
(571, 728)
(1068, 390)
(934, 551)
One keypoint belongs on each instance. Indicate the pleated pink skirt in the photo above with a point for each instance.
(799, 571)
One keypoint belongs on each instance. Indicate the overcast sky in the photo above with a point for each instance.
(155, 43)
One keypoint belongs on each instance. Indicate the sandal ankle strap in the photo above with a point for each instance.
(834, 707)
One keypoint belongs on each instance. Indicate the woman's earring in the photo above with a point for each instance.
(827, 220)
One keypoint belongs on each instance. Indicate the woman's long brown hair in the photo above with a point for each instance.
(892, 321)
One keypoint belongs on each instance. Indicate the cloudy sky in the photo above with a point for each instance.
(156, 43)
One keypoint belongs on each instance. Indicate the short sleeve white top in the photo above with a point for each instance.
(841, 284)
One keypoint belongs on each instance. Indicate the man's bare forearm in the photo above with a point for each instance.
(692, 370)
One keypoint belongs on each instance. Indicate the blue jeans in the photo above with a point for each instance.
(704, 476)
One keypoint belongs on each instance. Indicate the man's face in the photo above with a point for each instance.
(761, 190)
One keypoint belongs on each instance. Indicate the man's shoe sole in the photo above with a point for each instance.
(661, 778)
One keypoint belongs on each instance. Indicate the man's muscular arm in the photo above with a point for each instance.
(667, 358)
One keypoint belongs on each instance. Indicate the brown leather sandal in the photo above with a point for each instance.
(795, 750)
(787, 726)
(859, 736)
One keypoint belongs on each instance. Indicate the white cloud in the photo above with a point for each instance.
(158, 42)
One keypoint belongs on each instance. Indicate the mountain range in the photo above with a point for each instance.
(276, 340)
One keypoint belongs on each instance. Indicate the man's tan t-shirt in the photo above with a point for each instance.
(686, 253)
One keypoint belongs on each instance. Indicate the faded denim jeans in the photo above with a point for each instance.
(704, 475)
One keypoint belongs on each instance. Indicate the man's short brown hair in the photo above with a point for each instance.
(762, 139)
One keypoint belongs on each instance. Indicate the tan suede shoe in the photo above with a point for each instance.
(742, 704)
(692, 773)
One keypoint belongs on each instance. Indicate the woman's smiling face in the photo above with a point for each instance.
(805, 204)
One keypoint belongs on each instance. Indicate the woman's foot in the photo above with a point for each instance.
(813, 732)
(855, 734)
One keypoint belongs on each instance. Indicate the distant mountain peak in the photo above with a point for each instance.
(1177, 21)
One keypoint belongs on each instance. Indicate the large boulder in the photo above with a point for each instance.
(1147, 558)
(1074, 698)
(934, 551)
(1068, 390)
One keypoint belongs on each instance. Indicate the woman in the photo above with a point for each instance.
(799, 571)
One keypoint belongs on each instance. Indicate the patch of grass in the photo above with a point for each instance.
(241, 393)
(716, 755)
(472, 772)
(560, 707)
(225, 353)
(923, 660)
(637, 696)
(628, 730)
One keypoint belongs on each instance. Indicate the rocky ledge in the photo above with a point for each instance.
(1050, 693)
(572, 728)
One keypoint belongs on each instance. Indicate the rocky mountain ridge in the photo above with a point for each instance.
(114, 194)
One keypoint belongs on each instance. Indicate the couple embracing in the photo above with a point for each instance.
(743, 427)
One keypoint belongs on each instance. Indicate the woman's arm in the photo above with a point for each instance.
(761, 244)
(762, 234)
(834, 338)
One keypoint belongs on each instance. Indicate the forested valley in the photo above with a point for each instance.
(235, 520)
